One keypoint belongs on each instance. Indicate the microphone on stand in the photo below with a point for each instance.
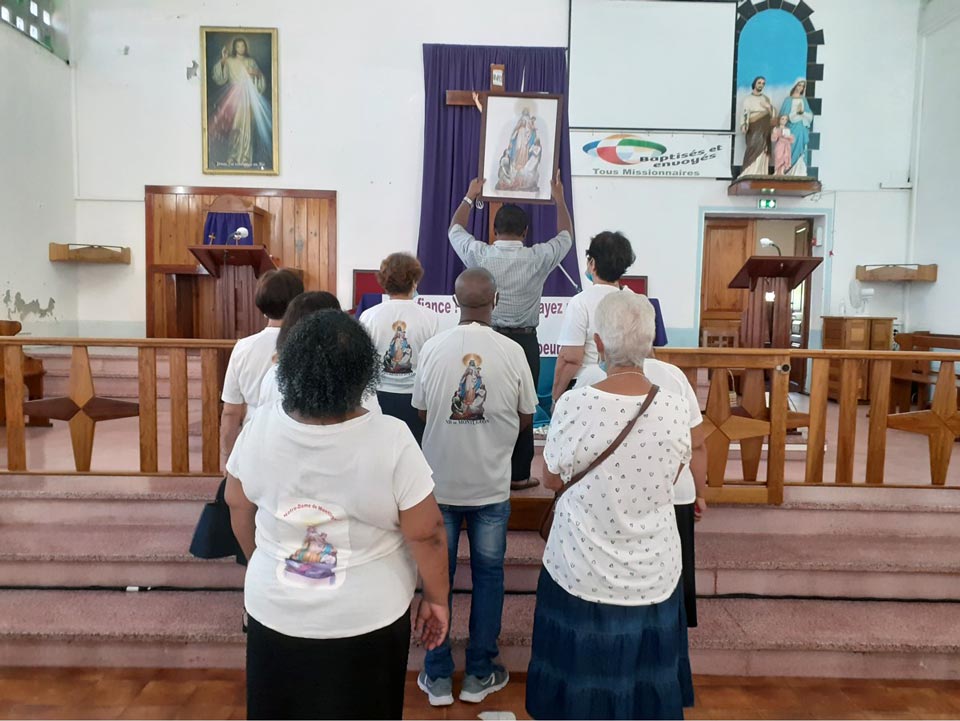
(239, 234)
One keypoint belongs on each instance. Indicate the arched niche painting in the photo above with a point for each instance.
(773, 114)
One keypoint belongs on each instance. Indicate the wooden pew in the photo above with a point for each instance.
(33, 373)
(906, 374)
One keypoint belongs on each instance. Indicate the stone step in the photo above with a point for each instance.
(850, 639)
(770, 565)
(115, 376)
(104, 500)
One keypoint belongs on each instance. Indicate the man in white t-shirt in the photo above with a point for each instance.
(252, 356)
(608, 258)
(399, 326)
(691, 486)
(476, 393)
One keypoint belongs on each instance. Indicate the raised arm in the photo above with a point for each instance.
(462, 216)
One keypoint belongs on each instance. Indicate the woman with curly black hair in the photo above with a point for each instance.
(335, 534)
(300, 307)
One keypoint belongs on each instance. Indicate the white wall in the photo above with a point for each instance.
(351, 120)
(36, 186)
(351, 113)
(936, 235)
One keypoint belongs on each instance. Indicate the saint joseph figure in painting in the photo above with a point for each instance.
(241, 109)
(756, 124)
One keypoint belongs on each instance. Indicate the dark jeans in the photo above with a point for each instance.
(358, 677)
(523, 450)
(398, 405)
(487, 534)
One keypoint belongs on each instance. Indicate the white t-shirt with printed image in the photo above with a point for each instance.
(472, 382)
(671, 379)
(614, 538)
(331, 561)
(249, 361)
(399, 328)
(578, 329)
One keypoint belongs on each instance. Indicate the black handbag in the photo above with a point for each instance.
(213, 536)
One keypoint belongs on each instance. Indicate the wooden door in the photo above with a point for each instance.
(727, 243)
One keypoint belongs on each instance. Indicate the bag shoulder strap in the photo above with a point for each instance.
(613, 446)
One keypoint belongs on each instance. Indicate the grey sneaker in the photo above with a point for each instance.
(439, 690)
(476, 689)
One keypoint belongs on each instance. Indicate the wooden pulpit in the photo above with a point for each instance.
(767, 322)
(236, 268)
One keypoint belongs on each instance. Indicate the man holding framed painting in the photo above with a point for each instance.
(520, 271)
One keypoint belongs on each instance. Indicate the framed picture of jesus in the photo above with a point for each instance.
(239, 100)
(519, 146)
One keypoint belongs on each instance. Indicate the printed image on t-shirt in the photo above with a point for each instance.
(316, 558)
(318, 545)
(399, 355)
(468, 399)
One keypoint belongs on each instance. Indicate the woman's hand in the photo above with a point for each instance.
(432, 623)
(699, 508)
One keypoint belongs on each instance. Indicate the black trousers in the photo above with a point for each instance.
(398, 405)
(361, 677)
(523, 450)
(688, 576)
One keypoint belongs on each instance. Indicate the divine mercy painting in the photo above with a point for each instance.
(518, 147)
(239, 99)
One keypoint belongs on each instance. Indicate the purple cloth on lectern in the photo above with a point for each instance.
(222, 226)
(660, 336)
(368, 300)
(451, 154)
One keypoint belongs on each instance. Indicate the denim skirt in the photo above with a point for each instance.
(600, 661)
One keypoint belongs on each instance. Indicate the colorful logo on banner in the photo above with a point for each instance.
(624, 149)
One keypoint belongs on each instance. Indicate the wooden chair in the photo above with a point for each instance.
(916, 378)
(33, 373)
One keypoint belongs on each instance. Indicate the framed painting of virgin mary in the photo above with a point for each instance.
(519, 146)
(239, 100)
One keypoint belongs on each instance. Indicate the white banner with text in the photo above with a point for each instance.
(650, 155)
(548, 332)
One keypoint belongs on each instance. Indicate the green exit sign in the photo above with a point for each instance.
(767, 203)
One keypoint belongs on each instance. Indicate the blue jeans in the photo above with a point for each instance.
(487, 534)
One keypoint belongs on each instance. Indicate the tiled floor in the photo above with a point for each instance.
(31, 693)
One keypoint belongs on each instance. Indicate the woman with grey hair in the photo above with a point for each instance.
(609, 635)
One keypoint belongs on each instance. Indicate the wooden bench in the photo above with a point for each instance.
(33, 373)
(907, 374)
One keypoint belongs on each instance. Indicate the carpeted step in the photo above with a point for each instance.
(852, 639)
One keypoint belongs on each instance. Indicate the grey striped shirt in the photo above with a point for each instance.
(520, 272)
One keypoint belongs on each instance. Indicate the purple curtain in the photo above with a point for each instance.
(220, 227)
(451, 154)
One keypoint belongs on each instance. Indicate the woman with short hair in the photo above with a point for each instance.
(609, 635)
(608, 258)
(399, 327)
(335, 534)
(300, 307)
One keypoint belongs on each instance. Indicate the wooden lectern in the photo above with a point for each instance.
(763, 274)
(236, 268)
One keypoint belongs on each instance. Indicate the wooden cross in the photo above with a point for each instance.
(466, 98)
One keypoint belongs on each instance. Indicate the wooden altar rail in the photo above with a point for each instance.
(752, 421)
(82, 408)
(752, 418)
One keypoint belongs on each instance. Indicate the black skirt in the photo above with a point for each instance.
(358, 677)
(688, 578)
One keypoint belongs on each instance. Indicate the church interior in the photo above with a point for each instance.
(783, 183)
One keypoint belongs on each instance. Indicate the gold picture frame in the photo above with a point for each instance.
(240, 108)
